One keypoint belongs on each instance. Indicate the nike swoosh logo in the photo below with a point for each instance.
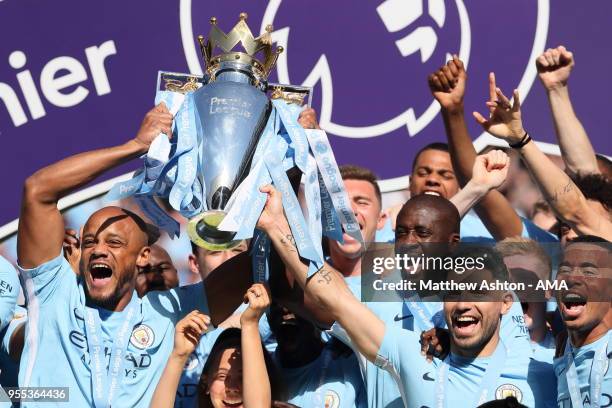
(426, 377)
(398, 318)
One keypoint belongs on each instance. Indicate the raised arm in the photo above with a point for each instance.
(448, 87)
(41, 227)
(559, 190)
(187, 334)
(326, 287)
(256, 392)
(489, 172)
(554, 68)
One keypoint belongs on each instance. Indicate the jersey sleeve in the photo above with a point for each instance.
(400, 351)
(20, 317)
(9, 290)
(48, 281)
(400, 355)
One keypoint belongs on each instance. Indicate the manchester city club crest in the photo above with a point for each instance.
(331, 400)
(508, 390)
(142, 337)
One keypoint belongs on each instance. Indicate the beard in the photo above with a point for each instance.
(478, 342)
(110, 300)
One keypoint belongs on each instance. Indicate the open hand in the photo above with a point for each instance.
(188, 332)
(504, 119)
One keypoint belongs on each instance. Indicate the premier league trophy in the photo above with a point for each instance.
(233, 110)
(234, 132)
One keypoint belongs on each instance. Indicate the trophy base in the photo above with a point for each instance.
(202, 230)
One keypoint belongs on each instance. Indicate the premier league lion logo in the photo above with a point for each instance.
(368, 62)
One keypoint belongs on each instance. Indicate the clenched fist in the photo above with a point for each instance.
(157, 120)
(258, 299)
(447, 85)
(491, 169)
(554, 67)
(308, 119)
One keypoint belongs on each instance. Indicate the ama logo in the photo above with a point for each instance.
(368, 62)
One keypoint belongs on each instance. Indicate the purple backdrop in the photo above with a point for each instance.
(377, 55)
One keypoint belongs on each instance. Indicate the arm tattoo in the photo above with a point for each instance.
(324, 276)
(289, 242)
(562, 191)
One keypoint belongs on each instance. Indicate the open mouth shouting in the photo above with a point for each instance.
(101, 274)
(573, 304)
(465, 325)
(349, 239)
(433, 192)
(232, 403)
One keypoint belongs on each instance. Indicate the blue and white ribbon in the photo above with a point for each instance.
(289, 115)
(106, 382)
(598, 369)
(170, 168)
(333, 181)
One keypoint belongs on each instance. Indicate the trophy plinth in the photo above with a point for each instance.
(202, 230)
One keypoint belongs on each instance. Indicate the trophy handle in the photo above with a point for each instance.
(179, 82)
(299, 95)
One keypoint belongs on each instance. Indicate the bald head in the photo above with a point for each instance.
(427, 218)
(106, 216)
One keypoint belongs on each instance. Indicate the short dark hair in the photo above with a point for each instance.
(590, 239)
(440, 146)
(595, 187)
(354, 172)
(194, 248)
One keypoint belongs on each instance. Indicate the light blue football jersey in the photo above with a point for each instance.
(55, 352)
(382, 390)
(9, 368)
(583, 361)
(520, 376)
(544, 350)
(9, 290)
(329, 381)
